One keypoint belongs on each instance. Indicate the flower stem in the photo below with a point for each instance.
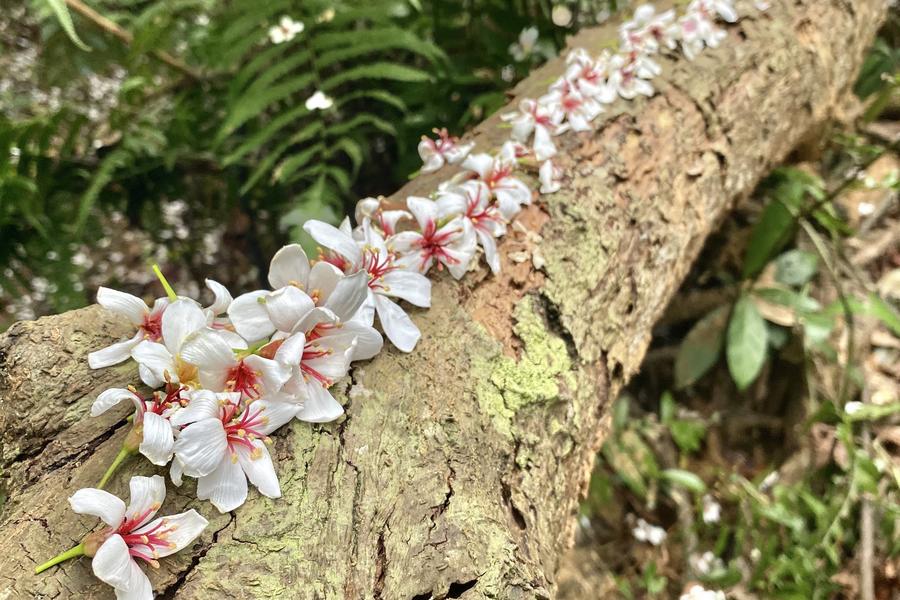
(123, 454)
(70, 553)
(165, 283)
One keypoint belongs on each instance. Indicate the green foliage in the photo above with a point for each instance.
(746, 342)
(701, 347)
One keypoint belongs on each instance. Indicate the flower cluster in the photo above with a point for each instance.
(224, 376)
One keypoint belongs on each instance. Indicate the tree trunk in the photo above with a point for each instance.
(457, 470)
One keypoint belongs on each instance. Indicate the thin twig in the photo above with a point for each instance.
(127, 38)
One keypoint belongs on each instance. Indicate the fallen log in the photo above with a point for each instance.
(457, 469)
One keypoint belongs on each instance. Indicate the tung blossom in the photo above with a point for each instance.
(444, 238)
(445, 149)
(526, 44)
(647, 30)
(481, 213)
(539, 119)
(510, 192)
(319, 101)
(161, 362)
(388, 278)
(147, 321)
(151, 418)
(285, 30)
(132, 534)
(224, 444)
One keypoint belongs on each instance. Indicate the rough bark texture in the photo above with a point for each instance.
(458, 468)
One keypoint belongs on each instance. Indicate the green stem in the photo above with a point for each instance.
(123, 454)
(162, 279)
(70, 553)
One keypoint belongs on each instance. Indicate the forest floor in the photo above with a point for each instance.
(788, 488)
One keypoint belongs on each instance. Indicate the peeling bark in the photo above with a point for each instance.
(457, 470)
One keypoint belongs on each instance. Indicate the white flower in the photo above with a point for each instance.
(706, 563)
(590, 76)
(223, 444)
(645, 532)
(151, 418)
(319, 101)
(853, 407)
(647, 30)
(579, 109)
(159, 363)
(444, 149)
(522, 49)
(698, 592)
(497, 172)
(696, 31)
(709, 9)
(631, 75)
(712, 510)
(444, 237)
(133, 534)
(542, 120)
(285, 31)
(550, 178)
(147, 321)
(225, 368)
(483, 216)
(387, 278)
(386, 220)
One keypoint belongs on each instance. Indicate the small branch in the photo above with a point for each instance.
(127, 38)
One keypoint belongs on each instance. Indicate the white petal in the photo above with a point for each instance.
(272, 373)
(287, 306)
(209, 351)
(109, 398)
(489, 244)
(423, 209)
(323, 278)
(249, 316)
(319, 406)
(112, 563)
(396, 324)
(221, 297)
(276, 413)
(348, 295)
(225, 487)
(480, 163)
(260, 470)
(291, 350)
(114, 354)
(201, 446)
(333, 238)
(203, 404)
(181, 319)
(131, 307)
(156, 359)
(413, 287)
(313, 318)
(158, 439)
(147, 495)
(234, 341)
(149, 377)
(176, 470)
(368, 341)
(184, 528)
(139, 587)
(290, 265)
(100, 504)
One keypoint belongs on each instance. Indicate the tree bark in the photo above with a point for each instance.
(457, 470)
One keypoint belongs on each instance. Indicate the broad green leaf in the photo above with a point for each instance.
(769, 235)
(796, 267)
(65, 20)
(700, 348)
(746, 342)
(685, 479)
(687, 434)
(873, 412)
(799, 302)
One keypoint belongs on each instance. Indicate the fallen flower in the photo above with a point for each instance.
(130, 535)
